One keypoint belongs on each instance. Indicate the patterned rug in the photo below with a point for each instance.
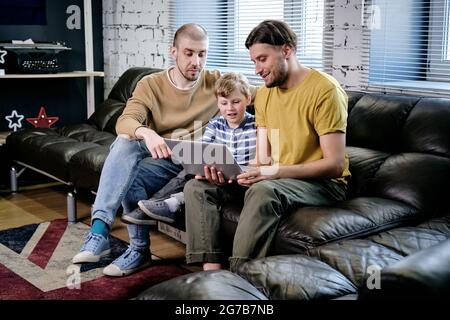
(35, 263)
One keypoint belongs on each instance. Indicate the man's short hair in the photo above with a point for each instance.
(273, 32)
(192, 30)
(231, 81)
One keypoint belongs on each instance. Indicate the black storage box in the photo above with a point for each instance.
(30, 58)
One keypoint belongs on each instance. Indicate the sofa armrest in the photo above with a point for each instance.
(424, 274)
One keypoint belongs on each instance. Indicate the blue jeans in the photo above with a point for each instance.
(129, 175)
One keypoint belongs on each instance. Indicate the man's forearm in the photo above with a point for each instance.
(320, 169)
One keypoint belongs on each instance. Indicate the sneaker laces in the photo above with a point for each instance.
(126, 256)
(161, 204)
(130, 255)
(91, 242)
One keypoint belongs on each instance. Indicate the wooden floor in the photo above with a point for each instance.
(35, 204)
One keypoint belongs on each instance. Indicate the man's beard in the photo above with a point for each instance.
(280, 76)
(186, 76)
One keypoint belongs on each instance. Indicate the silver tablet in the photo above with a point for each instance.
(194, 155)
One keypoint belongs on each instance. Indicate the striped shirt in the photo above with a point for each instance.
(241, 141)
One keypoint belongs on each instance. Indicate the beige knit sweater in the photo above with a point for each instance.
(159, 105)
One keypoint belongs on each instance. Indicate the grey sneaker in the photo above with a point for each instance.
(137, 216)
(157, 209)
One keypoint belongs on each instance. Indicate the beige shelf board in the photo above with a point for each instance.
(73, 74)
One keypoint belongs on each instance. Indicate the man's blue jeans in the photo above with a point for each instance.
(129, 175)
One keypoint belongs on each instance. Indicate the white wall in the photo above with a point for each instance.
(135, 33)
(347, 62)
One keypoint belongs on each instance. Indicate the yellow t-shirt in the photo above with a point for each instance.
(158, 104)
(315, 107)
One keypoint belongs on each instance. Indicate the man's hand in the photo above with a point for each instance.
(254, 175)
(154, 142)
(213, 176)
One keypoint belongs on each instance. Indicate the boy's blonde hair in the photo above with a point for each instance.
(231, 81)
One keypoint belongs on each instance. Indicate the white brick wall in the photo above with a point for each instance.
(348, 28)
(134, 35)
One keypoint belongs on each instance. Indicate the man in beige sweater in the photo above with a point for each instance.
(175, 102)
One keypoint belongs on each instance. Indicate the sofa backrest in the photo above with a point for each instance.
(399, 148)
(105, 116)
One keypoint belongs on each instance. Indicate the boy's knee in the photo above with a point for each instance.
(192, 185)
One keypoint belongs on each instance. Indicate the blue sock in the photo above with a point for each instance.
(100, 227)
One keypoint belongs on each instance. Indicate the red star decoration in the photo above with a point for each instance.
(42, 121)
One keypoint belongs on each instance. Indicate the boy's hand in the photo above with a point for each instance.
(213, 176)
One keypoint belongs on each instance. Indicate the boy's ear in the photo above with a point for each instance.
(249, 100)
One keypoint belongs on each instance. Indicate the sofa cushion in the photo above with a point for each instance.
(309, 227)
(124, 87)
(353, 98)
(295, 277)
(46, 151)
(364, 163)
(419, 180)
(14, 139)
(107, 113)
(86, 166)
(332, 271)
(105, 116)
(353, 257)
(207, 285)
(376, 121)
(399, 240)
(430, 136)
(54, 158)
(342, 268)
(424, 274)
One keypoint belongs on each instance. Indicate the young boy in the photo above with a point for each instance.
(234, 127)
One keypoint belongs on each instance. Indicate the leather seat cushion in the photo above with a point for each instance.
(54, 158)
(353, 257)
(309, 227)
(209, 285)
(86, 166)
(295, 277)
(420, 180)
(87, 133)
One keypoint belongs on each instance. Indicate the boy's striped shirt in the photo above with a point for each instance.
(241, 141)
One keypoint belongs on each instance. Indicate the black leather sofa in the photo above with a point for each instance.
(74, 154)
(399, 149)
(403, 263)
(396, 219)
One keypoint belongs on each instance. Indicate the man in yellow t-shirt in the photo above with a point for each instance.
(179, 100)
(301, 116)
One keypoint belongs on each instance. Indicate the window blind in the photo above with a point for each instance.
(229, 22)
(405, 46)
